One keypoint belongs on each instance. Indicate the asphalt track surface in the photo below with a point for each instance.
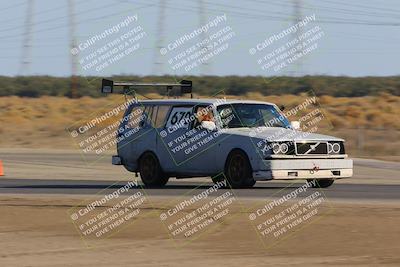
(60, 174)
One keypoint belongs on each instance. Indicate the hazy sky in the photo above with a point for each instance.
(359, 37)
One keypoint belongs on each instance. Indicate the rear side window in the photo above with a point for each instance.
(154, 115)
(135, 117)
(148, 110)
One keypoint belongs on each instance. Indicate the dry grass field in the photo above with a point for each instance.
(371, 125)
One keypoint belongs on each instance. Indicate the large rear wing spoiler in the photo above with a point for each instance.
(107, 86)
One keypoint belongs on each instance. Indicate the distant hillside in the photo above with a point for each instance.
(35, 86)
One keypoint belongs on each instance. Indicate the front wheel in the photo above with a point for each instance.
(151, 172)
(238, 170)
(322, 183)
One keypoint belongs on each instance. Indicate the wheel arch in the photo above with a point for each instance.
(234, 150)
(141, 155)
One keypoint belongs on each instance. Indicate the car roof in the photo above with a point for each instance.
(206, 101)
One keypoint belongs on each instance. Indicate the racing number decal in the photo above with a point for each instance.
(179, 117)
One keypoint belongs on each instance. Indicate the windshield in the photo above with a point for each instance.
(251, 115)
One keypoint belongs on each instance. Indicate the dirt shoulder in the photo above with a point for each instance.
(37, 231)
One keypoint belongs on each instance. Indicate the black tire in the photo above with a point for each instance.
(238, 170)
(151, 172)
(322, 183)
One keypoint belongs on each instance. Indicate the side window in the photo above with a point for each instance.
(162, 113)
(148, 110)
(148, 114)
(179, 117)
(227, 117)
(135, 117)
(154, 116)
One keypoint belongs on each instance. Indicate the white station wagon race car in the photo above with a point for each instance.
(236, 140)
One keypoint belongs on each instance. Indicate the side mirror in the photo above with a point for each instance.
(295, 125)
(208, 125)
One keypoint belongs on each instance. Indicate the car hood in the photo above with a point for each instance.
(280, 134)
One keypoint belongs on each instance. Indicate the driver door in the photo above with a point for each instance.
(182, 141)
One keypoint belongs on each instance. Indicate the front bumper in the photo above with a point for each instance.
(286, 169)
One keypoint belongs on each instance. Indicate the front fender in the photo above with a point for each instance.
(246, 144)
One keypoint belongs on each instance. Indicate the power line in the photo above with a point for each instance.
(345, 11)
(79, 22)
(328, 20)
(333, 20)
(43, 12)
(58, 18)
(12, 6)
(347, 3)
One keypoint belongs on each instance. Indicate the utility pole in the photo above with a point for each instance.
(298, 66)
(72, 25)
(158, 61)
(27, 42)
(205, 66)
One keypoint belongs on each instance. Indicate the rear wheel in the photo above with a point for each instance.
(151, 172)
(322, 183)
(238, 170)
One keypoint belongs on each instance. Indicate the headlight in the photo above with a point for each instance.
(282, 148)
(335, 148)
(276, 148)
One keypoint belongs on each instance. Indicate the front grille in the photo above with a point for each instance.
(312, 148)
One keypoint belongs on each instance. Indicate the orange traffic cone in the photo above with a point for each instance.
(1, 168)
